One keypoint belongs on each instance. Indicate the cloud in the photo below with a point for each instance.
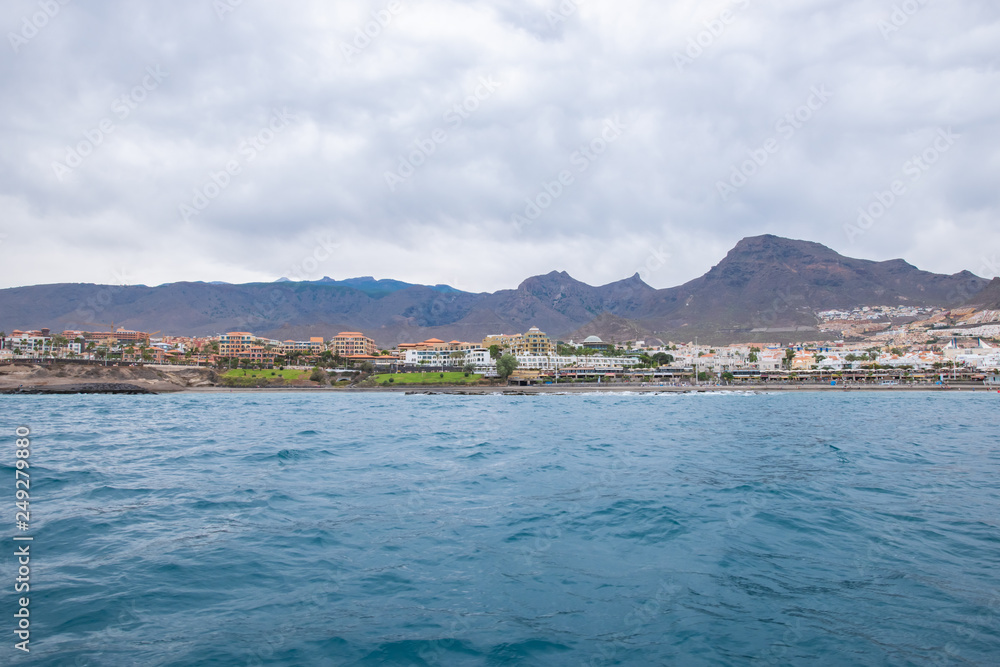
(698, 88)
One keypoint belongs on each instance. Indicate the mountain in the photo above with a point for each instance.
(988, 298)
(373, 287)
(770, 283)
(765, 288)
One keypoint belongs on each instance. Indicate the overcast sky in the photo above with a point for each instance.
(408, 151)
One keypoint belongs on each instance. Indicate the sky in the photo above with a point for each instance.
(478, 143)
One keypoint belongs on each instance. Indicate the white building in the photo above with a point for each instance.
(555, 362)
(476, 356)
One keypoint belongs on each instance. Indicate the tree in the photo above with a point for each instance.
(469, 367)
(367, 367)
(753, 355)
(506, 365)
(495, 352)
(318, 375)
(728, 377)
(663, 359)
(789, 356)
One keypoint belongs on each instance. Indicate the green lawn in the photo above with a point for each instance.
(426, 378)
(268, 374)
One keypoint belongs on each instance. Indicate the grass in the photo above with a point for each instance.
(426, 378)
(268, 374)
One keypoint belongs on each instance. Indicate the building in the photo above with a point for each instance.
(29, 343)
(315, 345)
(595, 343)
(436, 344)
(235, 343)
(554, 362)
(353, 344)
(123, 336)
(448, 357)
(244, 346)
(533, 341)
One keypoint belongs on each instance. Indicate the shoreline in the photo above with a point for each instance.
(607, 389)
(438, 390)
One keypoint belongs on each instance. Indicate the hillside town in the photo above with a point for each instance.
(889, 356)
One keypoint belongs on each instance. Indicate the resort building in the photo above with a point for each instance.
(123, 336)
(352, 344)
(234, 343)
(534, 342)
(314, 345)
(448, 357)
(244, 345)
(436, 344)
(554, 362)
(28, 343)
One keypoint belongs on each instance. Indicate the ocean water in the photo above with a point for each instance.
(383, 529)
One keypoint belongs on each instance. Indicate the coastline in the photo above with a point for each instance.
(431, 390)
(66, 380)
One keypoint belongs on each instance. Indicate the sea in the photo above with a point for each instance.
(743, 528)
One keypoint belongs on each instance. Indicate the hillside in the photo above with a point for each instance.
(765, 285)
(988, 298)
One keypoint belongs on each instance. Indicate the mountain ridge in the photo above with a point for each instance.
(764, 283)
